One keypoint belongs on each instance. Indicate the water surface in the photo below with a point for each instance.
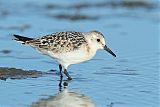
(131, 30)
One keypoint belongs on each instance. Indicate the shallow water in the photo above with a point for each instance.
(129, 80)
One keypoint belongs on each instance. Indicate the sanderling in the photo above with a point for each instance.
(68, 47)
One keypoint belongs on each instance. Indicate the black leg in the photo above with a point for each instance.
(66, 73)
(60, 69)
(61, 77)
(60, 83)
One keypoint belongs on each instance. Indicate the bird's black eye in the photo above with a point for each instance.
(98, 40)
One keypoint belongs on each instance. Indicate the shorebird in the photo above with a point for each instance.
(68, 47)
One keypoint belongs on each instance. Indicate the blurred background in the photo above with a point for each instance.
(131, 28)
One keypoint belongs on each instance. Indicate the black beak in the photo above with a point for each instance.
(108, 50)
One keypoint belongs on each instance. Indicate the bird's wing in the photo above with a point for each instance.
(59, 42)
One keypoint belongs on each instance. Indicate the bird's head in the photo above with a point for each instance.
(97, 41)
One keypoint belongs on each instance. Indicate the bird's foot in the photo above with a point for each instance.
(66, 73)
(69, 78)
(61, 77)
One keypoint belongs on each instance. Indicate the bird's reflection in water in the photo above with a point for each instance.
(65, 98)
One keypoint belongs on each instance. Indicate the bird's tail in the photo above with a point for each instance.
(22, 39)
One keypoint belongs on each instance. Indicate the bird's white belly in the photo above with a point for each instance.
(73, 57)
